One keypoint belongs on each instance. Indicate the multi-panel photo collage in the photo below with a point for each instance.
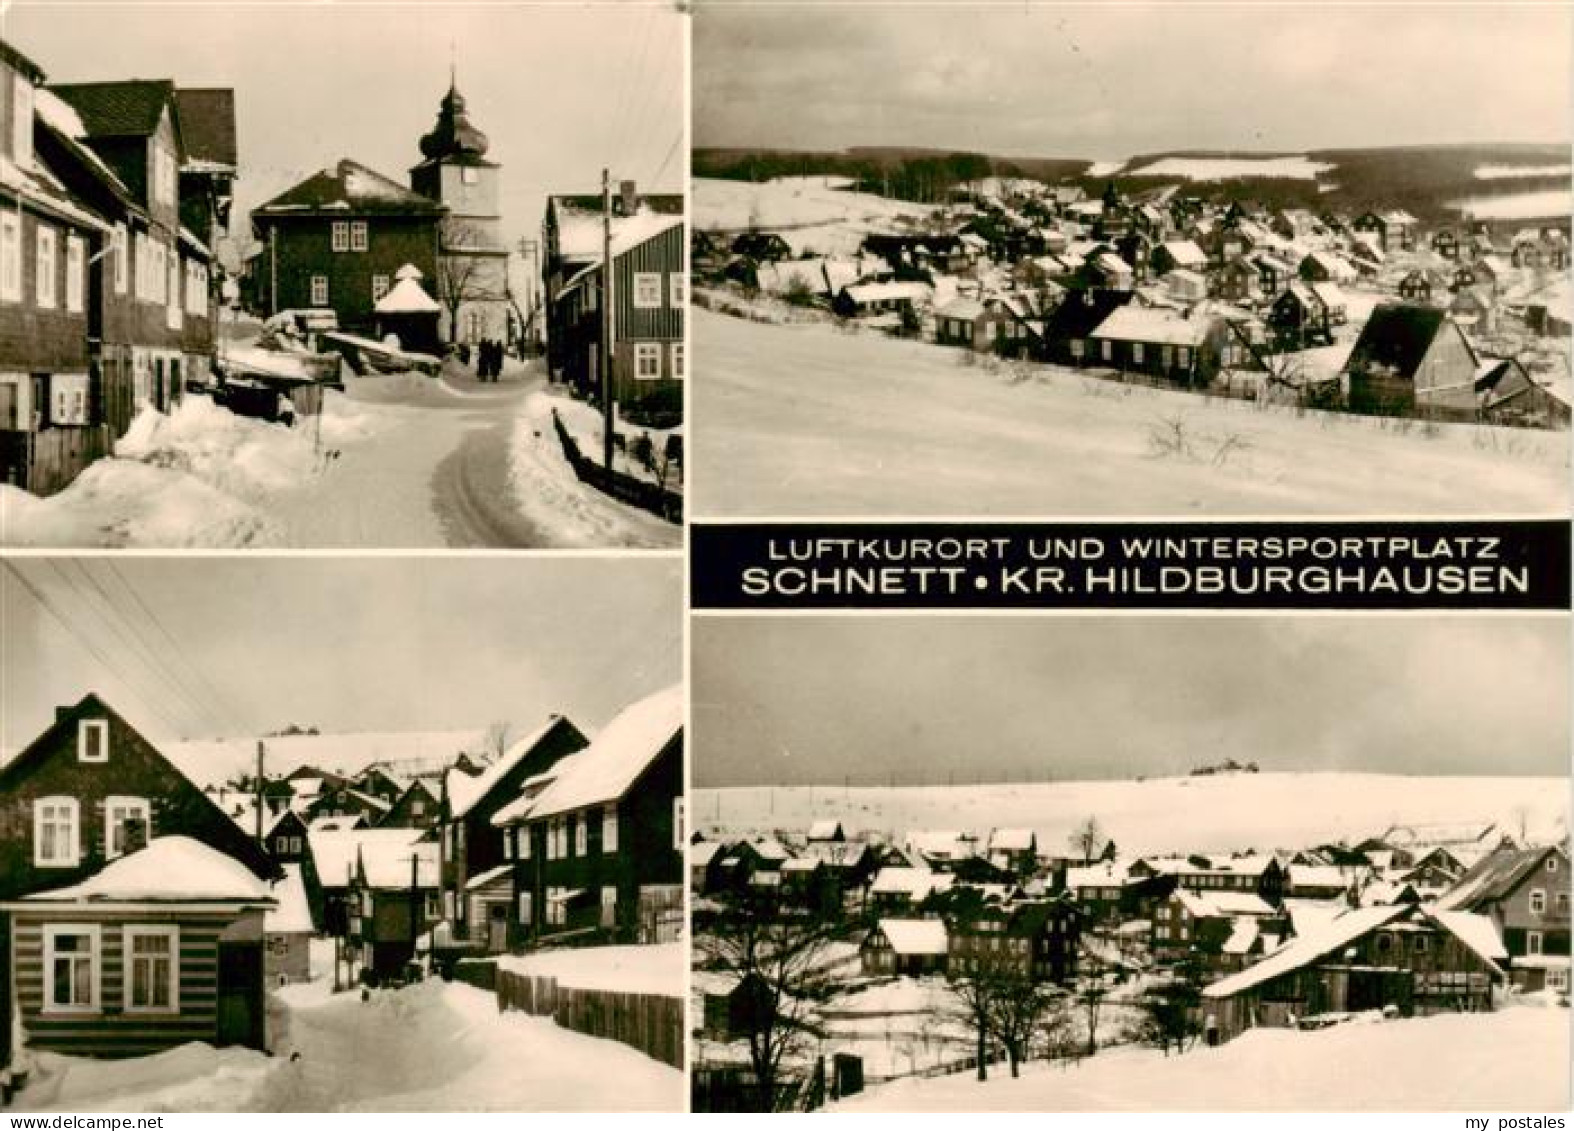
(785, 556)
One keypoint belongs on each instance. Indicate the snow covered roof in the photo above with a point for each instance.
(1106, 875)
(1305, 949)
(965, 309)
(1252, 864)
(348, 187)
(1132, 323)
(531, 790)
(915, 936)
(1185, 253)
(704, 852)
(1012, 840)
(885, 292)
(170, 869)
(465, 790)
(1222, 904)
(388, 863)
(334, 849)
(214, 761)
(407, 296)
(293, 915)
(1243, 934)
(914, 882)
(826, 829)
(616, 757)
(488, 877)
(1497, 875)
(1477, 932)
(1317, 876)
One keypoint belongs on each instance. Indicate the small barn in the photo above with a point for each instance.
(409, 314)
(1409, 356)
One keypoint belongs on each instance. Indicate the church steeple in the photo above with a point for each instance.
(453, 135)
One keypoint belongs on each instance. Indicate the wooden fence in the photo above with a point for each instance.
(640, 493)
(46, 461)
(651, 1023)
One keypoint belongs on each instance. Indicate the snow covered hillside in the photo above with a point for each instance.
(1544, 204)
(1214, 813)
(1516, 1059)
(1299, 168)
(814, 214)
(807, 420)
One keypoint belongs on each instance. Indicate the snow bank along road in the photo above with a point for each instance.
(807, 420)
(399, 461)
(430, 1047)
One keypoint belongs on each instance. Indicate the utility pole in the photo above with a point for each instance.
(606, 319)
(415, 903)
(258, 789)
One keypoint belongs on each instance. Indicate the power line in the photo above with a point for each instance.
(106, 620)
(87, 643)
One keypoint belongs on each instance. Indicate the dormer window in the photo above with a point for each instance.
(93, 740)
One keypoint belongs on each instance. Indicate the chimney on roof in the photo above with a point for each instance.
(628, 198)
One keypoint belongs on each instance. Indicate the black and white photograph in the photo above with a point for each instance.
(332, 834)
(335, 275)
(1151, 260)
(1130, 864)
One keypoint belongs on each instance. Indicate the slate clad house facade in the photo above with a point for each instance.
(599, 850)
(472, 845)
(1408, 357)
(89, 792)
(336, 241)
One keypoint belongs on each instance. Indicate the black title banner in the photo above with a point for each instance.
(1224, 565)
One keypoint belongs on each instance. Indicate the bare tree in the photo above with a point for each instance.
(498, 738)
(462, 278)
(781, 964)
(1086, 839)
(1090, 995)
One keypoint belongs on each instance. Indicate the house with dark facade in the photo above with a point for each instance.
(285, 840)
(1405, 957)
(1410, 357)
(1036, 939)
(473, 847)
(336, 241)
(599, 849)
(49, 429)
(88, 792)
(1185, 350)
(418, 807)
(392, 904)
(909, 947)
(1070, 325)
(1525, 893)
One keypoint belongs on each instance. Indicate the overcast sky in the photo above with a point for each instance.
(559, 90)
(343, 644)
(807, 700)
(1110, 81)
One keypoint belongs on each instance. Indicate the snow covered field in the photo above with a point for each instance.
(1516, 1059)
(1214, 813)
(1542, 204)
(1510, 172)
(816, 215)
(807, 420)
(431, 1047)
(1231, 168)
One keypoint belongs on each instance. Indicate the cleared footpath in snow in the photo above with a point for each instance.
(807, 420)
(1514, 1060)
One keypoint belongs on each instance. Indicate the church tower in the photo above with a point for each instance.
(472, 262)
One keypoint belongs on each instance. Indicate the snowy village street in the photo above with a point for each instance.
(394, 461)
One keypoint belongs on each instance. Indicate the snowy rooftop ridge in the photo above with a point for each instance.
(464, 790)
(170, 869)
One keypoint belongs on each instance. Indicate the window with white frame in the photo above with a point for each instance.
(677, 361)
(647, 361)
(677, 823)
(609, 906)
(1107, 349)
(430, 906)
(10, 257)
(609, 829)
(525, 908)
(172, 297)
(1532, 942)
(581, 836)
(1538, 901)
(522, 833)
(1552, 861)
(468, 175)
(158, 280)
(647, 290)
(152, 979)
(45, 275)
(76, 271)
(379, 286)
(22, 120)
(319, 290)
(121, 258)
(339, 235)
(93, 740)
(56, 833)
(1558, 980)
(1136, 353)
(677, 289)
(358, 235)
(71, 968)
(123, 816)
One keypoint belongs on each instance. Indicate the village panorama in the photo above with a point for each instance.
(486, 917)
(221, 328)
(1016, 287)
(934, 899)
